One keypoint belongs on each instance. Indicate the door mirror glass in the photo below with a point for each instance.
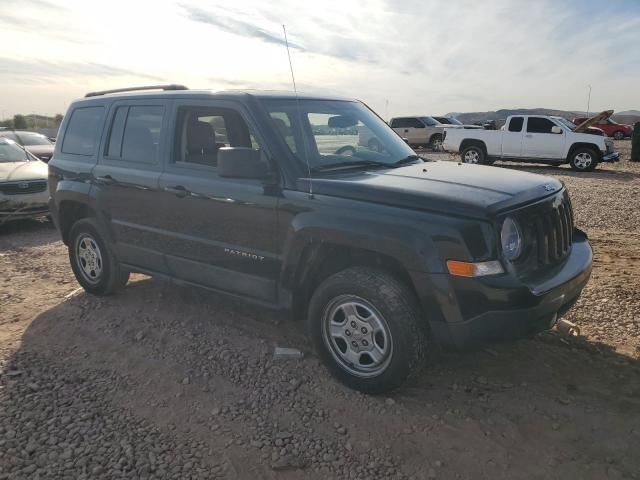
(241, 162)
(556, 129)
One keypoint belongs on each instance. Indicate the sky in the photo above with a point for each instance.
(427, 57)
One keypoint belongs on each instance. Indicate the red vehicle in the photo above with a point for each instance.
(608, 126)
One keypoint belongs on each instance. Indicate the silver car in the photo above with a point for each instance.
(23, 183)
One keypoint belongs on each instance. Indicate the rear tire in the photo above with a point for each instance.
(92, 261)
(474, 154)
(618, 135)
(367, 328)
(583, 159)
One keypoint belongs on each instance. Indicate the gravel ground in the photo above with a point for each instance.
(166, 382)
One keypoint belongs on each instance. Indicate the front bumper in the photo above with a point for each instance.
(611, 157)
(18, 207)
(480, 310)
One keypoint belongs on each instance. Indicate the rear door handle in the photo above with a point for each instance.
(529, 136)
(105, 179)
(406, 130)
(178, 191)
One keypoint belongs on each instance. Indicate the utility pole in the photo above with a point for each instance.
(588, 100)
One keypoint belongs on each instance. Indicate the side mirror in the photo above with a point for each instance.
(241, 162)
(406, 140)
(556, 129)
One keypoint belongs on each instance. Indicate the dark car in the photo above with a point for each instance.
(36, 143)
(268, 197)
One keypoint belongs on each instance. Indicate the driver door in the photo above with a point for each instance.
(220, 231)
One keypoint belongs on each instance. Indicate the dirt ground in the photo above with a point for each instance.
(167, 382)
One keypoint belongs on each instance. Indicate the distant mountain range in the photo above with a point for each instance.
(627, 116)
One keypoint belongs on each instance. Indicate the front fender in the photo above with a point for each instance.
(417, 240)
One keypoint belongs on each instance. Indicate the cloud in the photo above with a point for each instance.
(236, 27)
(322, 37)
(39, 71)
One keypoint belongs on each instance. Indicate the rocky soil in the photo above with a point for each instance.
(167, 382)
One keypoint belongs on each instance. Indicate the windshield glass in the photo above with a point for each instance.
(11, 152)
(29, 138)
(444, 120)
(566, 122)
(429, 121)
(455, 121)
(333, 133)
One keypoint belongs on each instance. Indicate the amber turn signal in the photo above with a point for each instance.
(471, 269)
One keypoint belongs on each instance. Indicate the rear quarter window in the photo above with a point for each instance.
(81, 136)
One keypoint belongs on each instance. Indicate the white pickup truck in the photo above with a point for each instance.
(535, 138)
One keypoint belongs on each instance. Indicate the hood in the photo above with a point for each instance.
(43, 152)
(15, 171)
(466, 190)
(593, 120)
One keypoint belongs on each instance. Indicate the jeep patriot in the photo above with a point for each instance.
(270, 198)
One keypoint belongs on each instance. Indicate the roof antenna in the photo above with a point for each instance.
(295, 90)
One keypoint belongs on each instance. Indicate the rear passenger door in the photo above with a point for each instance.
(220, 232)
(126, 180)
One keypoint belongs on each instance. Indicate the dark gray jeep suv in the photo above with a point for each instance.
(269, 197)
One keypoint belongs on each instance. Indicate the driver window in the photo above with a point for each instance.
(202, 131)
(336, 135)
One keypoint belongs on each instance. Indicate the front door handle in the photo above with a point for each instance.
(178, 191)
(529, 136)
(105, 179)
(406, 130)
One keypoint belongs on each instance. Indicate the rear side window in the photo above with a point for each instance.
(515, 125)
(539, 125)
(81, 136)
(134, 135)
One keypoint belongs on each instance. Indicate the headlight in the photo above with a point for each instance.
(511, 239)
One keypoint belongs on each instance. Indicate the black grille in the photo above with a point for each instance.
(20, 188)
(554, 232)
(548, 227)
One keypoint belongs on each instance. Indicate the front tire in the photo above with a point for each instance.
(92, 261)
(583, 159)
(473, 154)
(435, 142)
(367, 329)
(618, 135)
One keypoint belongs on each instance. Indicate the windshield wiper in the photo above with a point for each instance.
(347, 165)
(407, 160)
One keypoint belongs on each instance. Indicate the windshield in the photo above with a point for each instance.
(429, 121)
(566, 122)
(12, 152)
(333, 133)
(28, 138)
(443, 120)
(448, 121)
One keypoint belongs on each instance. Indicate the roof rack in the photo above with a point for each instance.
(137, 89)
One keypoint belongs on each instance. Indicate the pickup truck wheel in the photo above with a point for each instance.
(435, 143)
(583, 159)
(367, 328)
(473, 154)
(618, 135)
(92, 261)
